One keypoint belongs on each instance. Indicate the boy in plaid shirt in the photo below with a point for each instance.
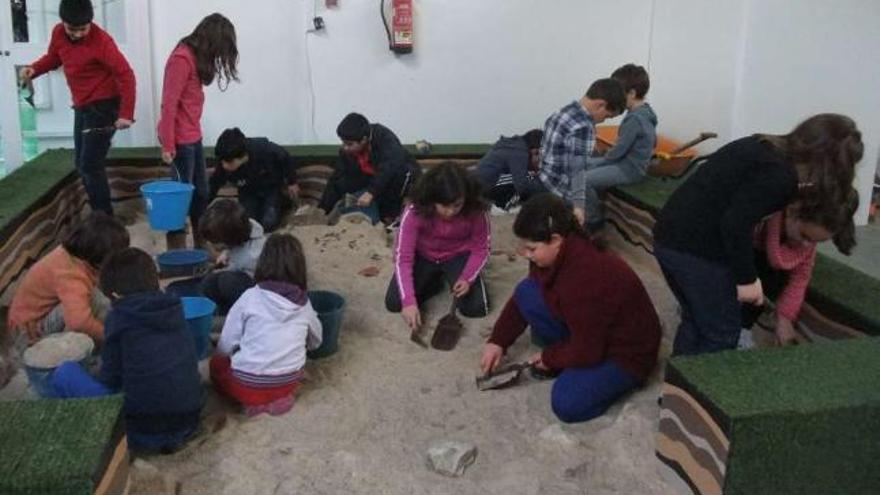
(569, 137)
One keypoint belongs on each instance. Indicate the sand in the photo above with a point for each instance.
(51, 351)
(368, 414)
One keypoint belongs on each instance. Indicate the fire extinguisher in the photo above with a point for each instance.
(400, 34)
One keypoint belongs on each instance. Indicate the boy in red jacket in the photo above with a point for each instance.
(102, 86)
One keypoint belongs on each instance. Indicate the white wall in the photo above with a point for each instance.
(487, 67)
(810, 57)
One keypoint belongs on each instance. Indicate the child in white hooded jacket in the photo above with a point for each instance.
(262, 349)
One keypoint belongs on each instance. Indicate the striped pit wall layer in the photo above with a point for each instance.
(51, 217)
(635, 222)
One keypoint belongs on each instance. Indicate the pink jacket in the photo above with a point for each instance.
(797, 260)
(439, 240)
(182, 100)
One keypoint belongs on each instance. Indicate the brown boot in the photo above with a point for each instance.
(175, 240)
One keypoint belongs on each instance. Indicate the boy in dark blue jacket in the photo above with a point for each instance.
(148, 355)
(263, 172)
(508, 172)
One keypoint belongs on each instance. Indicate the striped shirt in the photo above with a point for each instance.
(569, 138)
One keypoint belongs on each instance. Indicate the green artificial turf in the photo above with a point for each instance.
(54, 447)
(26, 184)
(845, 294)
(802, 420)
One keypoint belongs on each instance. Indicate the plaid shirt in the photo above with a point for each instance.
(569, 137)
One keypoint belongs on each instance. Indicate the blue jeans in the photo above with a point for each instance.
(601, 178)
(90, 149)
(189, 162)
(706, 292)
(71, 380)
(579, 394)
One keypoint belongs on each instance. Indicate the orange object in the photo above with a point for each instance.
(665, 163)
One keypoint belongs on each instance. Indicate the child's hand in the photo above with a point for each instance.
(168, 157)
(785, 332)
(412, 316)
(751, 293)
(461, 288)
(492, 354)
(123, 123)
(293, 191)
(32, 330)
(365, 199)
(538, 363)
(26, 74)
(222, 259)
(580, 214)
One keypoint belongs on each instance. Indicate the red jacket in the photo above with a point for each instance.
(182, 100)
(602, 303)
(94, 67)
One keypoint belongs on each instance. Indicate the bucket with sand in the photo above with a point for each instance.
(41, 359)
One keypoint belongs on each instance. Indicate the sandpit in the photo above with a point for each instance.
(368, 414)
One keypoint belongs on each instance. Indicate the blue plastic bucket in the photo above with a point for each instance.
(167, 203)
(199, 315)
(330, 307)
(40, 378)
(183, 262)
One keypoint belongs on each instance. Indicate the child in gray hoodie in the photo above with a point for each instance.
(626, 162)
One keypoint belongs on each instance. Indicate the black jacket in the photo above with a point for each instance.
(268, 169)
(149, 356)
(388, 156)
(714, 213)
(508, 156)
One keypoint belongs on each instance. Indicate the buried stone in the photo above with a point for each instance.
(451, 458)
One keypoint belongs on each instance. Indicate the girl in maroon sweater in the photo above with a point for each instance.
(587, 304)
(209, 52)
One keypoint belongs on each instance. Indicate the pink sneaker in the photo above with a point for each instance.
(275, 408)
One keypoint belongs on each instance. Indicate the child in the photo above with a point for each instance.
(226, 226)
(703, 236)
(208, 52)
(785, 252)
(507, 172)
(569, 138)
(373, 164)
(627, 161)
(262, 349)
(588, 306)
(444, 235)
(59, 291)
(263, 172)
(149, 357)
(103, 88)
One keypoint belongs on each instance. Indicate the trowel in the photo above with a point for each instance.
(503, 376)
(448, 330)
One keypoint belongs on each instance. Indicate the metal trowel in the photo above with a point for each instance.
(503, 376)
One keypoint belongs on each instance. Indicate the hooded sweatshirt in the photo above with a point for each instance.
(508, 156)
(636, 139)
(150, 357)
(267, 332)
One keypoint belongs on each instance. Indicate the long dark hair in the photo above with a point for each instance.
(445, 184)
(837, 219)
(542, 216)
(214, 46)
(282, 260)
(825, 149)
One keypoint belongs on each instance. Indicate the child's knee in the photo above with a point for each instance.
(526, 290)
(393, 305)
(571, 407)
(474, 311)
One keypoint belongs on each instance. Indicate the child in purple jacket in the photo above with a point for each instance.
(444, 235)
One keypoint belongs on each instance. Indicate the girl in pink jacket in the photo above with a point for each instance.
(444, 236)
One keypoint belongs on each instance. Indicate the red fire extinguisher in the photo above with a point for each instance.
(400, 35)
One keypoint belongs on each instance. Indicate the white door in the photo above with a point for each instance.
(25, 28)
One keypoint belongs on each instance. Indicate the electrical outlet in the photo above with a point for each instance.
(318, 23)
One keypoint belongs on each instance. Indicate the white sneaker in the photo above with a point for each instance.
(746, 341)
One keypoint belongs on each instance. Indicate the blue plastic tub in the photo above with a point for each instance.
(330, 307)
(183, 262)
(199, 315)
(167, 203)
(40, 379)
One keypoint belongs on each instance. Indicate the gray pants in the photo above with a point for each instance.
(53, 322)
(601, 178)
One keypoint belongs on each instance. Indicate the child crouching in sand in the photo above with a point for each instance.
(262, 349)
(149, 356)
(587, 304)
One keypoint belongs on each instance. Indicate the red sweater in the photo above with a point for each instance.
(182, 100)
(94, 67)
(602, 303)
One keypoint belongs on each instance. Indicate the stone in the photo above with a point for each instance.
(451, 458)
(555, 434)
